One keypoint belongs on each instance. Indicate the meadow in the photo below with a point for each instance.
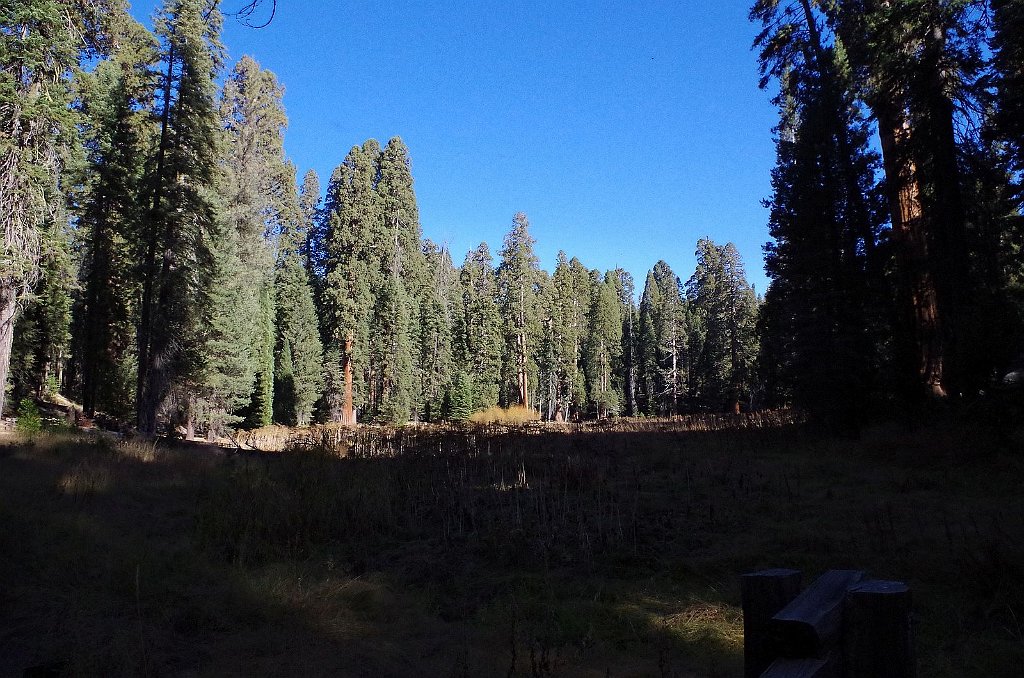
(487, 551)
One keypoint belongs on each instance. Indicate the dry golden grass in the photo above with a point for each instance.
(511, 416)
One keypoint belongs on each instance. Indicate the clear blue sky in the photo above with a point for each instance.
(625, 131)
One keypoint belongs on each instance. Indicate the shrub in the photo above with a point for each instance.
(29, 420)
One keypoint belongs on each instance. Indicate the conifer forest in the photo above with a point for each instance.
(169, 274)
(163, 264)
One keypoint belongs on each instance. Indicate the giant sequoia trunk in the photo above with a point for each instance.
(909, 229)
(348, 413)
(948, 240)
(915, 125)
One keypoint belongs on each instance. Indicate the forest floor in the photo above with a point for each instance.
(497, 554)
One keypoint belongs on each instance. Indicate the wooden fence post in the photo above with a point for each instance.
(763, 594)
(878, 640)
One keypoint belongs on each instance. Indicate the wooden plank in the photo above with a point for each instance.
(763, 594)
(878, 640)
(800, 668)
(810, 624)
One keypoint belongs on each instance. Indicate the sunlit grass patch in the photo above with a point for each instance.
(511, 416)
(86, 478)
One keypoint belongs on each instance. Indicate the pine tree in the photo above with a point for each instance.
(351, 271)
(119, 130)
(391, 352)
(567, 309)
(603, 349)
(257, 185)
(43, 43)
(182, 208)
(42, 337)
(911, 61)
(396, 322)
(724, 346)
(664, 332)
(480, 341)
(1007, 180)
(625, 290)
(518, 284)
(1008, 81)
(299, 353)
(822, 321)
(459, 398)
(647, 345)
(439, 307)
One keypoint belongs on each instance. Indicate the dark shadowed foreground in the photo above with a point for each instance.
(473, 554)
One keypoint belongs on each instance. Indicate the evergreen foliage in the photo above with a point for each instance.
(566, 330)
(119, 133)
(603, 349)
(351, 272)
(163, 226)
(182, 210)
(480, 341)
(723, 342)
(459, 398)
(519, 283)
(299, 365)
(42, 44)
(664, 355)
(435, 358)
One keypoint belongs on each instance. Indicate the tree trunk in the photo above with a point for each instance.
(910, 232)
(348, 415)
(524, 399)
(8, 310)
(947, 213)
(146, 402)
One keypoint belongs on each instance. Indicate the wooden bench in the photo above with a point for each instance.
(844, 625)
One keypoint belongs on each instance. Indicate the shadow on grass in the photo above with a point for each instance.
(521, 555)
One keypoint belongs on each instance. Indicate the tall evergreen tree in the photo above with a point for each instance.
(299, 353)
(625, 291)
(439, 308)
(351, 273)
(404, 291)
(663, 351)
(480, 341)
(182, 208)
(257, 185)
(1008, 81)
(119, 131)
(1007, 131)
(43, 43)
(822, 326)
(911, 60)
(603, 348)
(518, 285)
(41, 339)
(566, 314)
(723, 347)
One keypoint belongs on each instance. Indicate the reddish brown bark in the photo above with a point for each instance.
(910, 233)
(348, 414)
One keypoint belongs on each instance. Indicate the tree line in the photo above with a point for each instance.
(161, 262)
(182, 276)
